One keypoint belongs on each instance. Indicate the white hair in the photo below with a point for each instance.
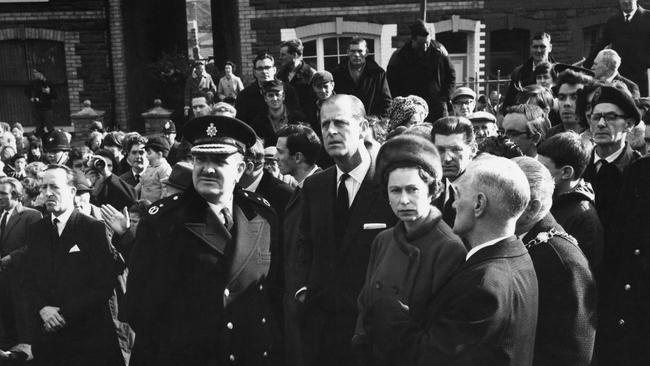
(540, 181)
(611, 59)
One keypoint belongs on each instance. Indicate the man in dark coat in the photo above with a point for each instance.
(422, 67)
(296, 71)
(250, 101)
(41, 94)
(363, 78)
(624, 326)
(110, 189)
(344, 208)
(606, 66)
(628, 32)
(204, 286)
(14, 224)
(69, 277)
(297, 151)
(522, 75)
(566, 324)
(487, 313)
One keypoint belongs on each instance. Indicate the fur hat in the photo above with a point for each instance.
(408, 151)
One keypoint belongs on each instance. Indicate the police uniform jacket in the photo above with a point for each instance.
(199, 294)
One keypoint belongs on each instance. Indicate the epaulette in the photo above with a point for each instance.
(163, 205)
(253, 197)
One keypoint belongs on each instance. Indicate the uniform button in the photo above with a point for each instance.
(265, 354)
(378, 285)
(231, 358)
(261, 287)
(627, 287)
(230, 325)
(226, 292)
(637, 252)
(263, 320)
(621, 322)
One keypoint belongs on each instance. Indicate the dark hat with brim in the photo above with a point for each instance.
(180, 177)
(618, 97)
(169, 127)
(158, 143)
(220, 135)
(408, 150)
(56, 140)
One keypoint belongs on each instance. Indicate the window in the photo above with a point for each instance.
(327, 52)
(17, 59)
(508, 49)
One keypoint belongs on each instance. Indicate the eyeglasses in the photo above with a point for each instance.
(608, 117)
(264, 68)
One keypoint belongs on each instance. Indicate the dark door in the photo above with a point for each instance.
(17, 59)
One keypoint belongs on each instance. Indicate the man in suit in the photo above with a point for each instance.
(69, 277)
(14, 221)
(136, 156)
(605, 67)
(344, 208)
(204, 285)
(486, 314)
(298, 149)
(566, 326)
(256, 179)
(454, 139)
(627, 32)
(363, 78)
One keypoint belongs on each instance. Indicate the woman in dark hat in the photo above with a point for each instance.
(411, 261)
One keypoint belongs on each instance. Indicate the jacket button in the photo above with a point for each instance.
(226, 292)
(621, 322)
(263, 320)
(637, 252)
(378, 285)
(627, 287)
(265, 354)
(261, 287)
(230, 325)
(231, 358)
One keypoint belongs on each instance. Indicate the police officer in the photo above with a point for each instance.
(203, 288)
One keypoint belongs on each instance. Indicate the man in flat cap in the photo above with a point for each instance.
(463, 100)
(202, 283)
(322, 83)
(422, 67)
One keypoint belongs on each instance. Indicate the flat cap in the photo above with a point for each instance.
(482, 116)
(273, 85)
(613, 95)
(180, 177)
(158, 143)
(322, 77)
(463, 91)
(221, 135)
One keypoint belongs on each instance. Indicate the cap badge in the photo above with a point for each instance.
(211, 131)
(153, 210)
(167, 126)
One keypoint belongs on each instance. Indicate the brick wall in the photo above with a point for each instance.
(82, 28)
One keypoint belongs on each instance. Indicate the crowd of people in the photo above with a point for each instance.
(358, 217)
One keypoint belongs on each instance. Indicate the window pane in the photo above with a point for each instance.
(311, 61)
(453, 42)
(329, 46)
(331, 63)
(343, 45)
(371, 46)
(310, 49)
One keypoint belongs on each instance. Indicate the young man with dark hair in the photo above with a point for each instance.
(295, 71)
(363, 78)
(566, 157)
(568, 84)
(522, 75)
(545, 75)
(277, 113)
(136, 156)
(250, 102)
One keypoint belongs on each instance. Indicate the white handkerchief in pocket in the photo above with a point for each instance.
(374, 226)
(74, 249)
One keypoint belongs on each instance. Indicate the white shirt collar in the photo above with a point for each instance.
(256, 183)
(358, 173)
(610, 158)
(217, 207)
(486, 244)
(631, 13)
(63, 219)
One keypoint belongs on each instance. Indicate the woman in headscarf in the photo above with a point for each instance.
(406, 111)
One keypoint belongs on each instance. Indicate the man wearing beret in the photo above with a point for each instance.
(203, 284)
(344, 208)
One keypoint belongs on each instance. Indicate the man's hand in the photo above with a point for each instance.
(186, 111)
(52, 320)
(120, 222)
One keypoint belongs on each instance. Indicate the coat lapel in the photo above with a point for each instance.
(12, 222)
(210, 232)
(248, 234)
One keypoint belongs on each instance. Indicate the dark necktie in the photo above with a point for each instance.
(3, 224)
(55, 228)
(227, 218)
(137, 178)
(448, 211)
(341, 209)
(627, 17)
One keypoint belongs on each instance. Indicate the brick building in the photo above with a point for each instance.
(89, 49)
(485, 38)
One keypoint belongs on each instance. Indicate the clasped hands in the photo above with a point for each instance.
(52, 319)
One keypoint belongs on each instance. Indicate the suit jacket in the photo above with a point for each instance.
(631, 85)
(198, 293)
(630, 40)
(333, 272)
(486, 314)
(566, 326)
(13, 240)
(129, 178)
(276, 191)
(75, 272)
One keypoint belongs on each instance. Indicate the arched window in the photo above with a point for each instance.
(17, 60)
(334, 50)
